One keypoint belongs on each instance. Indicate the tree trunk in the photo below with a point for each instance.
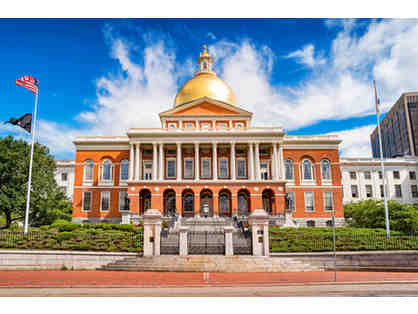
(8, 220)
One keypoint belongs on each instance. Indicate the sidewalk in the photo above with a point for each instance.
(68, 278)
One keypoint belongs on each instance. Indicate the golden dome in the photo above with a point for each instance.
(205, 83)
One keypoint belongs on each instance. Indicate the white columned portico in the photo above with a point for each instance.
(251, 161)
(281, 161)
(233, 172)
(154, 161)
(215, 161)
(196, 160)
(179, 172)
(137, 146)
(275, 163)
(131, 163)
(161, 172)
(139, 163)
(257, 161)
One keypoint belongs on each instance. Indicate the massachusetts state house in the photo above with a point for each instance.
(207, 160)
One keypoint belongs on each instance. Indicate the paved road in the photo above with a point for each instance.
(324, 290)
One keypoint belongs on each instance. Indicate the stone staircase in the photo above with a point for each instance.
(213, 263)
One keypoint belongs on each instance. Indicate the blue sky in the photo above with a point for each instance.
(102, 76)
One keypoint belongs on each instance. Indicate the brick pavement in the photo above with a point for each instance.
(30, 278)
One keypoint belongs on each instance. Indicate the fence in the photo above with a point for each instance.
(84, 241)
(344, 242)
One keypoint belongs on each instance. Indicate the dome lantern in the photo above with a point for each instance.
(205, 62)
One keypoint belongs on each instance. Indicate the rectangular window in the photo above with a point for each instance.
(369, 191)
(414, 191)
(206, 168)
(412, 175)
(105, 201)
(171, 168)
(354, 191)
(328, 201)
(223, 168)
(123, 201)
(205, 125)
(367, 175)
(264, 169)
(222, 125)
(241, 168)
(309, 201)
(147, 170)
(396, 174)
(64, 189)
(382, 193)
(172, 125)
(64, 176)
(86, 201)
(189, 125)
(188, 168)
(380, 175)
(239, 125)
(290, 201)
(353, 175)
(398, 190)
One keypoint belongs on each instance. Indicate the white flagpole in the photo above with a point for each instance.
(381, 161)
(33, 129)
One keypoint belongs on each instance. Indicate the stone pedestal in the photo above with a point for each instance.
(183, 241)
(229, 246)
(152, 231)
(289, 222)
(259, 222)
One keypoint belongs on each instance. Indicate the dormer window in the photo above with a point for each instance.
(171, 125)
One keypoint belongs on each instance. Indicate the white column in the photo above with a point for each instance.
(251, 161)
(179, 173)
(137, 161)
(215, 161)
(154, 161)
(257, 162)
(131, 163)
(233, 171)
(161, 173)
(274, 163)
(281, 161)
(196, 160)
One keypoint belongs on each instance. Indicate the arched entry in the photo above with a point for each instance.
(188, 203)
(169, 203)
(244, 203)
(206, 203)
(144, 201)
(224, 205)
(268, 201)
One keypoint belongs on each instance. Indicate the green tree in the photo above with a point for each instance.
(47, 202)
(371, 214)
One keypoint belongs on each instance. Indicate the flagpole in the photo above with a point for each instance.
(381, 160)
(30, 163)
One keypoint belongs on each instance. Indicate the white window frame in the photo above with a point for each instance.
(294, 201)
(365, 188)
(66, 176)
(112, 169)
(101, 201)
(172, 159)
(202, 159)
(245, 167)
(119, 205)
(351, 191)
(144, 170)
(224, 159)
(307, 181)
(239, 125)
(325, 202)
(325, 181)
(205, 126)
(171, 125)
(184, 167)
(267, 162)
(313, 201)
(412, 192)
(400, 190)
(291, 168)
(91, 201)
(120, 171)
(399, 175)
(222, 125)
(188, 125)
(85, 180)
(370, 175)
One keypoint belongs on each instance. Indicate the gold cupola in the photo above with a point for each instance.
(205, 83)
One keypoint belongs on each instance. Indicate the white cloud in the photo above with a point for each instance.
(211, 35)
(356, 142)
(306, 56)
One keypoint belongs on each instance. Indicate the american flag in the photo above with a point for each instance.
(28, 82)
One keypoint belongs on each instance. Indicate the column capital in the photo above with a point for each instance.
(214, 143)
(179, 143)
(154, 143)
(232, 143)
(196, 143)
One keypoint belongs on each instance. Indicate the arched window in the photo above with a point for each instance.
(224, 204)
(124, 170)
(188, 203)
(88, 170)
(106, 171)
(288, 165)
(307, 170)
(326, 170)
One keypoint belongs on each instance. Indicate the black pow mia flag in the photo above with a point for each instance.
(25, 122)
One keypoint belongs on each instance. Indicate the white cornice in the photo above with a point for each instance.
(362, 161)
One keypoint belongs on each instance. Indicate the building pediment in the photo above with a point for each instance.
(205, 106)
